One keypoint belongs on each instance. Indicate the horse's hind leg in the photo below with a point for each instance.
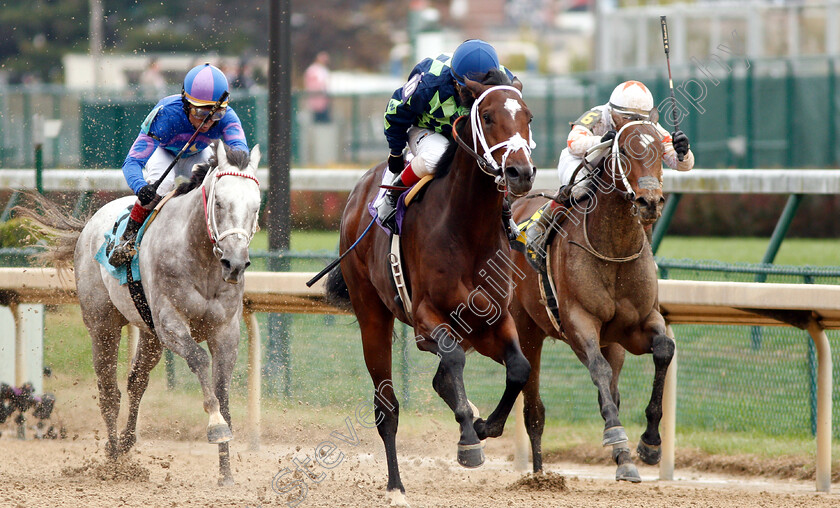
(517, 372)
(224, 360)
(148, 355)
(649, 446)
(531, 339)
(626, 470)
(105, 346)
(376, 325)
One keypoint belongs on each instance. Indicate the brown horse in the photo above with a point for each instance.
(602, 268)
(453, 245)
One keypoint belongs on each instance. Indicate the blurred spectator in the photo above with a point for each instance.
(315, 82)
(152, 81)
(244, 77)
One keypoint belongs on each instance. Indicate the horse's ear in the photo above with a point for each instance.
(255, 158)
(220, 153)
(516, 84)
(475, 88)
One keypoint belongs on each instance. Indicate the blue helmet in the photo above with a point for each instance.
(473, 58)
(204, 85)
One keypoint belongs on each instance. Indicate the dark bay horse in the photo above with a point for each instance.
(457, 267)
(600, 263)
(192, 260)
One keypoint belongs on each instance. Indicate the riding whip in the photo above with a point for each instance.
(670, 79)
(216, 107)
(337, 260)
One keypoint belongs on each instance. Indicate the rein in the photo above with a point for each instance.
(210, 212)
(487, 163)
(590, 249)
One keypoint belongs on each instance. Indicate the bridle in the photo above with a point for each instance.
(486, 162)
(629, 193)
(210, 212)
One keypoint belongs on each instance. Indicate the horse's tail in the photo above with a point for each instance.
(46, 220)
(337, 292)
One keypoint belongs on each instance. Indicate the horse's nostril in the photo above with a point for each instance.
(226, 264)
(247, 264)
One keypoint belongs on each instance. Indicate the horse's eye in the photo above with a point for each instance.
(486, 117)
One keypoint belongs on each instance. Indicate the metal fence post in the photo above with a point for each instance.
(662, 225)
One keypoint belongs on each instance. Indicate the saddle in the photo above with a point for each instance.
(129, 273)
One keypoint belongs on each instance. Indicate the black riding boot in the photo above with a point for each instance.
(387, 210)
(125, 250)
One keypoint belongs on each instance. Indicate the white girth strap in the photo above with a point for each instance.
(399, 279)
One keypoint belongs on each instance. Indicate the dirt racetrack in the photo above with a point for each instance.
(172, 472)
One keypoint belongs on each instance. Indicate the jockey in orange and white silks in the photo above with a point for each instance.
(632, 100)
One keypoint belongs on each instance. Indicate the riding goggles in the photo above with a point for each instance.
(636, 114)
(201, 112)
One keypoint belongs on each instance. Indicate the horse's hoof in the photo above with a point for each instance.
(471, 456)
(126, 442)
(614, 436)
(112, 450)
(226, 481)
(627, 472)
(218, 434)
(396, 498)
(650, 454)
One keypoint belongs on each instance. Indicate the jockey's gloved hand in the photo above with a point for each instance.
(396, 163)
(680, 142)
(146, 194)
(610, 135)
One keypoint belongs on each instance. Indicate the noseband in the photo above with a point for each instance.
(210, 212)
(486, 162)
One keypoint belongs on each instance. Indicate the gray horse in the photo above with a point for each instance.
(192, 259)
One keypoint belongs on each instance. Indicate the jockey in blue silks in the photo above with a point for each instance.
(421, 112)
(163, 134)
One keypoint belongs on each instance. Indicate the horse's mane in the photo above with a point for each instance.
(493, 77)
(236, 158)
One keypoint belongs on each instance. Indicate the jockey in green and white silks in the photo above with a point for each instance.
(421, 112)
(163, 134)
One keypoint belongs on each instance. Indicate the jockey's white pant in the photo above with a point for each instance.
(566, 167)
(428, 146)
(161, 159)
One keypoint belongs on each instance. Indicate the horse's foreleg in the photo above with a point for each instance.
(649, 446)
(148, 355)
(517, 371)
(584, 339)
(175, 335)
(448, 382)
(224, 360)
(105, 346)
